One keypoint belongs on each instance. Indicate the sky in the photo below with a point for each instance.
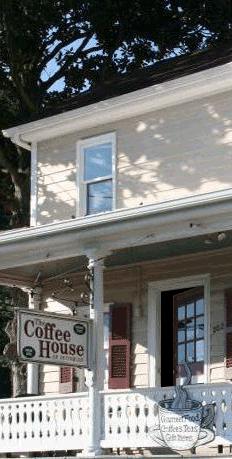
(52, 66)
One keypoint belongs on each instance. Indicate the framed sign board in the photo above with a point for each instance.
(52, 339)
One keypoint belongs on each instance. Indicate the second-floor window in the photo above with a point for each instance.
(97, 174)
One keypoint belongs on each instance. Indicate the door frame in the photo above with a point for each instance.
(154, 322)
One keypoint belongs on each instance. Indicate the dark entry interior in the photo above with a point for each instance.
(167, 338)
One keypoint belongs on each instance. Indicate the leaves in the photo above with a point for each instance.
(84, 44)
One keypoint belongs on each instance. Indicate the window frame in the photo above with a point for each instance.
(183, 300)
(81, 208)
(154, 322)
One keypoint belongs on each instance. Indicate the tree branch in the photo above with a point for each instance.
(14, 71)
(92, 50)
(61, 72)
(58, 48)
(16, 177)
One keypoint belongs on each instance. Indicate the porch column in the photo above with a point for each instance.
(95, 376)
(35, 300)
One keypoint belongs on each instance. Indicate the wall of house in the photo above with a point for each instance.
(127, 289)
(173, 153)
(130, 284)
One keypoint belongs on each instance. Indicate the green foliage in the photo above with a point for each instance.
(9, 299)
(6, 312)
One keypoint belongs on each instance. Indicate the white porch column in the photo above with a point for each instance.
(95, 376)
(35, 300)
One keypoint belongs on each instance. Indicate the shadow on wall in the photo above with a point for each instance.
(173, 153)
(57, 195)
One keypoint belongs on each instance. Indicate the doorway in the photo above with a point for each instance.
(182, 333)
(167, 337)
(178, 330)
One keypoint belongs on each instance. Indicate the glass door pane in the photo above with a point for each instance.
(189, 332)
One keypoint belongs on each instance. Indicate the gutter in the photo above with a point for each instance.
(153, 98)
(162, 212)
(17, 139)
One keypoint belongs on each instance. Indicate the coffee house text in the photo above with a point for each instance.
(52, 340)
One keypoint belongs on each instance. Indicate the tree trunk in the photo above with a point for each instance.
(18, 379)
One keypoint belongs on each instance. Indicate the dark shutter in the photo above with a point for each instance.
(66, 380)
(228, 316)
(119, 346)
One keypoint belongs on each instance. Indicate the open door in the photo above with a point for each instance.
(189, 326)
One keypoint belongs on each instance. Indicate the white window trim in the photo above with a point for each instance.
(83, 313)
(154, 322)
(81, 184)
(34, 185)
(106, 348)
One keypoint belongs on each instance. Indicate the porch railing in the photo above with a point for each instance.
(129, 416)
(60, 423)
(44, 423)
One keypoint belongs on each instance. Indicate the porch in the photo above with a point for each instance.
(127, 417)
(140, 264)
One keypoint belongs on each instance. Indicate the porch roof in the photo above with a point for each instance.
(46, 271)
(124, 234)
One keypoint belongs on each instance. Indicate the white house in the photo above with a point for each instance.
(132, 184)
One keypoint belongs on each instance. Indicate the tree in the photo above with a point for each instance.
(51, 49)
(6, 315)
(12, 374)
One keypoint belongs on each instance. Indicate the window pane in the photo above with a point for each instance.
(181, 353)
(190, 329)
(200, 327)
(97, 161)
(190, 352)
(181, 335)
(200, 350)
(181, 312)
(190, 310)
(200, 306)
(99, 197)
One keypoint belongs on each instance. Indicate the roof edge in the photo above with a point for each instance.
(156, 97)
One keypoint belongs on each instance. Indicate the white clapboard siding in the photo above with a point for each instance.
(130, 285)
(156, 160)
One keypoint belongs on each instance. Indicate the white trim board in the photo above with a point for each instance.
(154, 321)
(113, 230)
(200, 205)
(155, 97)
(34, 188)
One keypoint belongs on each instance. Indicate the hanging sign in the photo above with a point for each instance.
(52, 339)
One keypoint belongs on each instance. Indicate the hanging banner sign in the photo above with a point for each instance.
(52, 339)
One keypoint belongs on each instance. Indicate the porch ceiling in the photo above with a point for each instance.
(167, 229)
(169, 249)
(27, 275)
